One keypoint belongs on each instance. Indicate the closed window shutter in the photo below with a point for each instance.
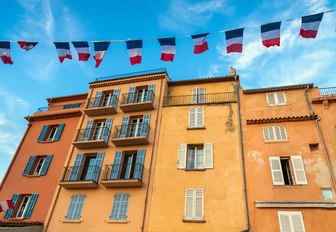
(291, 221)
(189, 204)
(75, 207)
(194, 95)
(9, 212)
(59, 132)
(266, 134)
(283, 133)
(115, 98)
(46, 164)
(116, 165)
(31, 205)
(276, 171)
(97, 99)
(297, 221)
(208, 155)
(107, 129)
(192, 117)
(277, 133)
(80, 204)
(42, 134)
(200, 117)
(281, 98)
(72, 205)
(299, 172)
(76, 168)
(87, 130)
(271, 132)
(146, 123)
(284, 222)
(270, 98)
(139, 162)
(29, 165)
(182, 156)
(199, 204)
(201, 95)
(124, 126)
(151, 89)
(131, 94)
(97, 167)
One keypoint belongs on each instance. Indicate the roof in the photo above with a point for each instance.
(67, 98)
(279, 88)
(203, 80)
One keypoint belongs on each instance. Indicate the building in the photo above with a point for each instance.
(289, 183)
(34, 172)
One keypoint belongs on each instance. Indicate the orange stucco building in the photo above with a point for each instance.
(33, 174)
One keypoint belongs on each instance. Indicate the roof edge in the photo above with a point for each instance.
(278, 88)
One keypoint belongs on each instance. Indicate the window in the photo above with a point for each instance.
(96, 130)
(290, 221)
(193, 157)
(37, 165)
(275, 133)
(70, 106)
(196, 117)
(105, 99)
(139, 126)
(75, 207)
(198, 95)
(23, 206)
(278, 98)
(136, 127)
(327, 193)
(194, 204)
(50, 133)
(140, 94)
(283, 168)
(120, 206)
(313, 146)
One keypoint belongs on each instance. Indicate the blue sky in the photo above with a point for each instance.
(37, 74)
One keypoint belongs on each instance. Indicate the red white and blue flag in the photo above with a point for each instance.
(100, 49)
(310, 25)
(200, 43)
(5, 52)
(63, 50)
(234, 40)
(134, 49)
(168, 46)
(270, 34)
(27, 45)
(4, 205)
(83, 50)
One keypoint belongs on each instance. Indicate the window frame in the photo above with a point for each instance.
(197, 96)
(51, 128)
(37, 164)
(183, 156)
(196, 155)
(276, 99)
(19, 209)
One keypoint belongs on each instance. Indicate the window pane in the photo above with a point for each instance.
(191, 158)
(200, 157)
(327, 193)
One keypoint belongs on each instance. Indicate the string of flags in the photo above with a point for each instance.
(270, 36)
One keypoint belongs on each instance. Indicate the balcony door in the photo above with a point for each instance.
(136, 127)
(98, 132)
(107, 101)
(141, 95)
(128, 166)
(89, 166)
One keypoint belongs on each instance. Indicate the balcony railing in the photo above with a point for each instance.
(200, 99)
(131, 134)
(123, 175)
(137, 101)
(100, 106)
(58, 107)
(327, 91)
(80, 176)
(92, 137)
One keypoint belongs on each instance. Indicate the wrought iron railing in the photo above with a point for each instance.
(100, 102)
(200, 99)
(327, 91)
(123, 171)
(58, 107)
(92, 134)
(131, 130)
(137, 97)
(81, 173)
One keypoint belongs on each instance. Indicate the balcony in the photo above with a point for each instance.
(92, 138)
(212, 98)
(121, 175)
(328, 91)
(96, 106)
(131, 134)
(140, 101)
(80, 177)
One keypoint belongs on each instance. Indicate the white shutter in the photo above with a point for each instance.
(192, 117)
(266, 134)
(200, 117)
(201, 95)
(283, 133)
(199, 204)
(277, 133)
(276, 171)
(194, 95)
(270, 98)
(297, 222)
(299, 172)
(281, 98)
(291, 221)
(189, 203)
(284, 221)
(182, 156)
(271, 133)
(208, 155)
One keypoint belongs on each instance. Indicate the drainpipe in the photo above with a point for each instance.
(247, 228)
(311, 112)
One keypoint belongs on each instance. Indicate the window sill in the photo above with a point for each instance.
(16, 219)
(51, 141)
(72, 221)
(276, 141)
(33, 176)
(197, 170)
(194, 220)
(117, 221)
(283, 104)
(195, 128)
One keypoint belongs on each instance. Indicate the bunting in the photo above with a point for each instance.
(270, 34)
(27, 45)
(310, 25)
(134, 48)
(4, 205)
(100, 49)
(168, 46)
(5, 52)
(200, 43)
(83, 50)
(63, 50)
(234, 40)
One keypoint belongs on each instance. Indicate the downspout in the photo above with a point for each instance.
(247, 228)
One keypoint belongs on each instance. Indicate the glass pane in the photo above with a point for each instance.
(191, 158)
(200, 157)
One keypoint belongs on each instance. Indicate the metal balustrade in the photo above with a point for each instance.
(327, 91)
(211, 98)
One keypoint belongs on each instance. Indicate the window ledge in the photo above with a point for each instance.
(283, 104)
(276, 141)
(195, 128)
(71, 221)
(51, 141)
(329, 204)
(33, 176)
(117, 221)
(197, 170)
(194, 220)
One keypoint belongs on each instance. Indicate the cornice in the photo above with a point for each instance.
(203, 80)
(75, 97)
(279, 88)
(281, 119)
(72, 114)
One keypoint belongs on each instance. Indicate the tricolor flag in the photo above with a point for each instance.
(310, 25)
(168, 46)
(63, 50)
(134, 48)
(5, 52)
(83, 50)
(270, 34)
(27, 45)
(100, 49)
(4, 205)
(200, 43)
(234, 40)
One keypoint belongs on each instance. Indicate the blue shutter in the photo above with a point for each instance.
(72, 205)
(46, 164)
(107, 129)
(29, 165)
(145, 127)
(139, 164)
(131, 94)
(97, 99)
(124, 127)
(76, 167)
(151, 89)
(31, 205)
(75, 207)
(9, 212)
(115, 98)
(116, 165)
(97, 167)
(59, 132)
(87, 130)
(80, 205)
(43, 133)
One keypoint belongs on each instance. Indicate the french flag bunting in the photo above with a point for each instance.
(270, 34)
(5, 52)
(134, 49)
(83, 50)
(63, 50)
(100, 49)
(200, 43)
(234, 40)
(168, 46)
(310, 25)
(27, 45)
(4, 205)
